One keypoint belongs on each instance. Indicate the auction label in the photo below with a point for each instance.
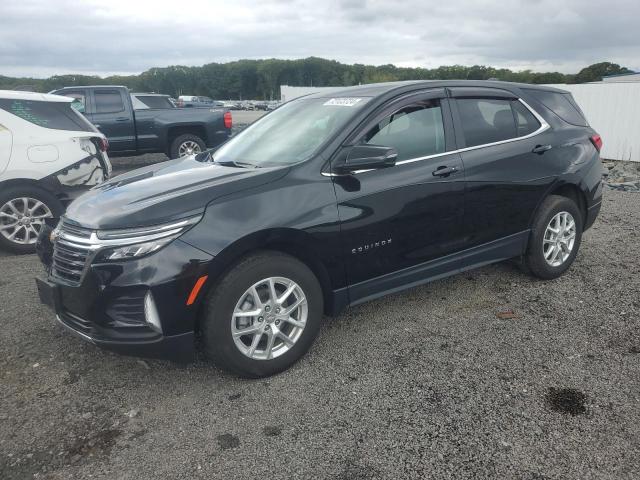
(343, 101)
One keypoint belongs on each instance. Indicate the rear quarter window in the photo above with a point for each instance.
(54, 115)
(562, 104)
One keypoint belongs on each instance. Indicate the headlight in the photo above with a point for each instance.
(137, 242)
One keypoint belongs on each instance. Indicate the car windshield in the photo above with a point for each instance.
(290, 134)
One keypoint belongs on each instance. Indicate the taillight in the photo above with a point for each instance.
(597, 141)
(228, 121)
(104, 144)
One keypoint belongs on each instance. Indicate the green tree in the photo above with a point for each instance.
(261, 79)
(595, 72)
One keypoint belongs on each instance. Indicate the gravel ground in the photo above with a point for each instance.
(489, 374)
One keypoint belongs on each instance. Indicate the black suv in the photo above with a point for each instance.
(329, 201)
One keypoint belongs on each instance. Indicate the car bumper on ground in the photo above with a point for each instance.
(137, 307)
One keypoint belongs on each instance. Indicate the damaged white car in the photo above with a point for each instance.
(49, 154)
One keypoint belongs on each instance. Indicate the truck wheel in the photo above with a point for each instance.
(555, 238)
(23, 209)
(187, 144)
(262, 316)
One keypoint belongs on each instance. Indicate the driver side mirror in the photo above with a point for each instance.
(367, 157)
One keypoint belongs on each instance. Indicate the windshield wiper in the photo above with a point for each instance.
(233, 163)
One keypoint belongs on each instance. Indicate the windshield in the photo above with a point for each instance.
(290, 134)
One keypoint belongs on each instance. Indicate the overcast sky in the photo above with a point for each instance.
(44, 37)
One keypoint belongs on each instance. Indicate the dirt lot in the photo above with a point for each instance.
(490, 374)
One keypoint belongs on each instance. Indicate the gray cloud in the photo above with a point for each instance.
(40, 38)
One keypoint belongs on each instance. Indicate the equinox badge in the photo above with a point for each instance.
(371, 246)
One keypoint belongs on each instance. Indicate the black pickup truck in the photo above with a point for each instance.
(134, 130)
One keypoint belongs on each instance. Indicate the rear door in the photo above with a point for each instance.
(112, 115)
(507, 151)
(396, 220)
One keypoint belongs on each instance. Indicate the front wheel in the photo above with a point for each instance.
(555, 237)
(262, 316)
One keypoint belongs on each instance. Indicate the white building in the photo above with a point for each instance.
(289, 93)
(622, 77)
(612, 109)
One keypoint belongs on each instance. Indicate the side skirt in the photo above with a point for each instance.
(485, 254)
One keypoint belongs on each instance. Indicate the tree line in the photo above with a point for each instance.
(261, 79)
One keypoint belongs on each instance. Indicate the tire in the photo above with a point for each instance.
(183, 140)
(541, 240)
(216, 324)
(13, 195)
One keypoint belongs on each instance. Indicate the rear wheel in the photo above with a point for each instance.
(23, 210)
(262, 316)
(555, 237)
(187, 144)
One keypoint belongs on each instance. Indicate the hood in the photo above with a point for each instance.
(163, 192)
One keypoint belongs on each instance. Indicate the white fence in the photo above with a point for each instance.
(613, 110)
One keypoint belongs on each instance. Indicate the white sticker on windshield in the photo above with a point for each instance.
(343, 101)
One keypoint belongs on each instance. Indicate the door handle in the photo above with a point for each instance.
(122, 119)
(540, 149)
(444, 171)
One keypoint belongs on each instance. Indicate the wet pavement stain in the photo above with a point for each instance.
(566, 400)
(227, 441)
(272, 431)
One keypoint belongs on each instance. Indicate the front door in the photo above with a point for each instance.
(397, 221)
(112, 116)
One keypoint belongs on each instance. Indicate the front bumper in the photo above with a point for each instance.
(179, 348)
(107, 308)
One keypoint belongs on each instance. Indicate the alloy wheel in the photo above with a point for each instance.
(559, 239)
(269, 318)
(21, 219)
(188, 148)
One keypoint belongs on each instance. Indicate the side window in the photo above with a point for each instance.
(79, 100)
(486, 120)
(108, 101)
(54, 115)
(414, 131)
(562, 104)
(526, 123)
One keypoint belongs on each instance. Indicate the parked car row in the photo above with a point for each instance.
(190, 101)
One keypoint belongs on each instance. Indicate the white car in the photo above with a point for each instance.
(49, 154)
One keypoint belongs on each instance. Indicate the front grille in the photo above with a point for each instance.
(69, 255)
(74, 230)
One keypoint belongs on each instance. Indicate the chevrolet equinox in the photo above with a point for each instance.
(331, 200)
